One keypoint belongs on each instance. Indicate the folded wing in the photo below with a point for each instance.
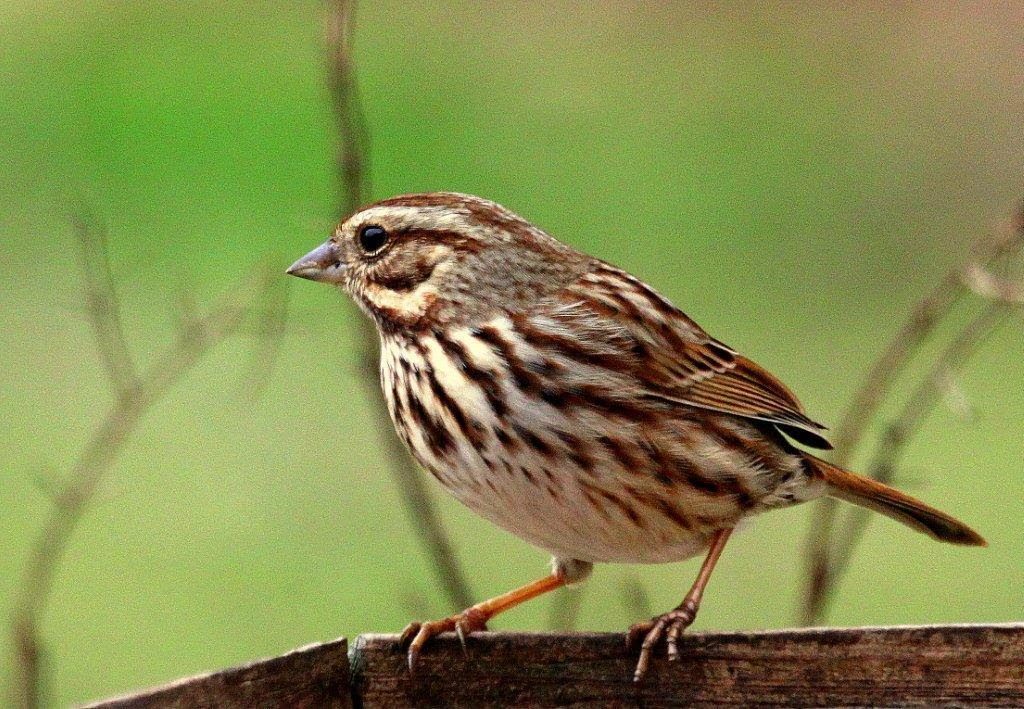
(671, 358)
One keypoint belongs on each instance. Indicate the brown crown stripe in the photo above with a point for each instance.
(456, 239)
(428, 199)
(485, 380)
(469, 429)
(528, 381)
(484, 212)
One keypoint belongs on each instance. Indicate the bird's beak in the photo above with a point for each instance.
(321, 264)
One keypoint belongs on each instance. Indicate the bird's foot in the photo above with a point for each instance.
(669, 626)
(416, 634)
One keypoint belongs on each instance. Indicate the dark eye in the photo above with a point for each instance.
(372, 238)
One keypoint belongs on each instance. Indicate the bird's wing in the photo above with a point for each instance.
(668, 355)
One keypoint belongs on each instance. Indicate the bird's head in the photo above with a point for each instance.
(424, 257)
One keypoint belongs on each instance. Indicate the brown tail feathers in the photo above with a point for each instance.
(892, 503)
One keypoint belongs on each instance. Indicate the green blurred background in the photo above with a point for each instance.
(794, 176)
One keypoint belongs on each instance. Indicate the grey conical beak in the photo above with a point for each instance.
(321, 264)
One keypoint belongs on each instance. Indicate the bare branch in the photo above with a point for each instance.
(353, 138)
(71, 501)
(352, 160)
(904, 426)
(912, 335)
(101, 301)
(825, 561)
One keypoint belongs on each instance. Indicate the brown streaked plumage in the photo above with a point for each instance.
(571, 404)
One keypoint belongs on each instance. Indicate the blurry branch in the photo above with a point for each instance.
(827, 558)
(564, 610)
(353, 137)
(135, 393)
(926, 317)
(102, 307)
(636, 599)
(352, 161)
(269, 326)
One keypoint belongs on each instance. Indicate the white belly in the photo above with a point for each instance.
(530, 487)
(537, 471)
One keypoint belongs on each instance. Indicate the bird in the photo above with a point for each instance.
(571, 404)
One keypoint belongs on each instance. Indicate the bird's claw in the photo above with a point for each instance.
(669, 625)
(416, 634)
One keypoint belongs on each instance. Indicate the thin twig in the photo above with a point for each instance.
(352, 161)
(135, 395)
(101, 301)
(821, 555)
(353, 136)
(927, 315)
(269, 325)
(908, 422)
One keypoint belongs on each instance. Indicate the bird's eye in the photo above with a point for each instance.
(372, 238)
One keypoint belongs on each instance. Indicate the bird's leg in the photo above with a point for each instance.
(475, 617)
(679, 619)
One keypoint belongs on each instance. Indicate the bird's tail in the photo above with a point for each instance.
(901, 507)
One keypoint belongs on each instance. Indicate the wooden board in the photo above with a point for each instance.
(902, 666)
(312, 676)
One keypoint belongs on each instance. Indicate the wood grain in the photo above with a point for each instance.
(312, 676)
(953, 665)
(913, 666)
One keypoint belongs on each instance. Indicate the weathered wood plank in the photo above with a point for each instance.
(312, 676)
(901, 666)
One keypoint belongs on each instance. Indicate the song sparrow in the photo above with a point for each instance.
(571, 404)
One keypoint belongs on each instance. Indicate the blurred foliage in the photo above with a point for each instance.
(794, 176)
